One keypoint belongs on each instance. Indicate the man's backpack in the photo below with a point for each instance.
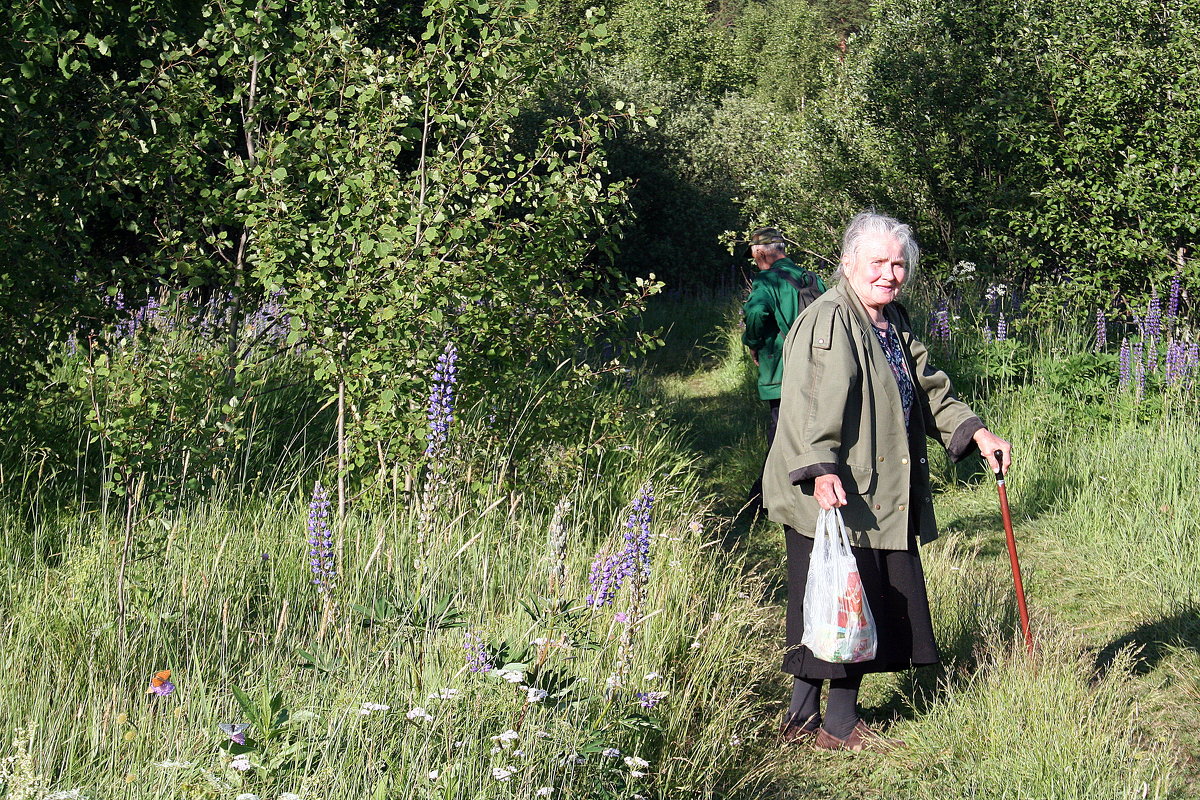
(805, 292)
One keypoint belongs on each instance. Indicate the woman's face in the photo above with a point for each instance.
(877, 270)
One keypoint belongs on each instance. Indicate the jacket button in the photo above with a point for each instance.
(901, 506)
(922, 461)
(877, 506)
(881, 458)
(820, 341)
(904, 461)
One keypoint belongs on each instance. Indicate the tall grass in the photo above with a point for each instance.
(228, 602)
(222, 594)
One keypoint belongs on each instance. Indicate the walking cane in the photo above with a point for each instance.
(1012, 550)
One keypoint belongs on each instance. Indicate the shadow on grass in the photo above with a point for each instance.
(1154, 641)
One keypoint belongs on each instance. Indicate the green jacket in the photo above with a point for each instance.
(840, 412)
(769, 312)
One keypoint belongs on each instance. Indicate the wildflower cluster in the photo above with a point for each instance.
(939, 326)
(320, 541)
(1159, 337)
(609, 572)
(478, 659)
(440, 412)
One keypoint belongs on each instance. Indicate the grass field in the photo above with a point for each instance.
(453, 653)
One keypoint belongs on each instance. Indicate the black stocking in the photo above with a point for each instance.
(841, 712)
(805, 709)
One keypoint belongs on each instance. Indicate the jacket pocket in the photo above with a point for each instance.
(856, 479)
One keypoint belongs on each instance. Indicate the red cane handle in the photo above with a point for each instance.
(999, 455)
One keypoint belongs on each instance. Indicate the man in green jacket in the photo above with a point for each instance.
(780, 291)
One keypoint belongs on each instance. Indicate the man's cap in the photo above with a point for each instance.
(764, 236)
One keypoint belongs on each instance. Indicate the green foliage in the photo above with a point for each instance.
(159, 402)
(1031, 139)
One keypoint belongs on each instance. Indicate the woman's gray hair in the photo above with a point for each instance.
(869, 223)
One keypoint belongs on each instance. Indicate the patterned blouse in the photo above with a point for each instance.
(890, 343)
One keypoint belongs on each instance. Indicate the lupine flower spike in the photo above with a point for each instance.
(1126, 360)
(320, 541)
(478, 659)
(1173, 298)
(1154, 316)
(440, 412)
(941, 321)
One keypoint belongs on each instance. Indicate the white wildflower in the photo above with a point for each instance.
(545, 791)
(65, 794)
(633, 762)
(507, 738)
(501, 773)
(652, 676)
(541, 735)
(735, 740)
(288, 796)
(695, 645)
(673, 563)
(614, 681)
(434, 774)
(444, 694)
(633, 773)
(170, 765)
(419, 714)
(495, 750)
(460, 743)
(518, 753)
(241, 763)
(367, 708)
(246, 796)
(533, 695)
(510, 675)
(610, 752)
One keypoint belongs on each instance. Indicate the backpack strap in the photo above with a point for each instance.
(805, 292)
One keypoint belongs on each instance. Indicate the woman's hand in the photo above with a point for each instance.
(989, 443)
(829, 492)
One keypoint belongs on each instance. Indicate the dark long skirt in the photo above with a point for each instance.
(894, 586)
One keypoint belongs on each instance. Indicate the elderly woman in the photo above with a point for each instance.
(859, 398)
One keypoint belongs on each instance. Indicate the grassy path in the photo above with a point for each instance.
(1110, 705)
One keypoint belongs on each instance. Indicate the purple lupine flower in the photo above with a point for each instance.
(605, 578)
(320, 541)
(1001, 329)
(1101, 331)
(608, 573)
(1173, 298)
(1191, 363)
(1176, 362)
(637, 534)
(1139, 368)
(987, 333)
(649, 699)
(441, 399)
(1153, 316)
(478, 659)
(940, 324)
(1126, 364)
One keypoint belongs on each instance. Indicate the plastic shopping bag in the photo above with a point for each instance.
(838, 625)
